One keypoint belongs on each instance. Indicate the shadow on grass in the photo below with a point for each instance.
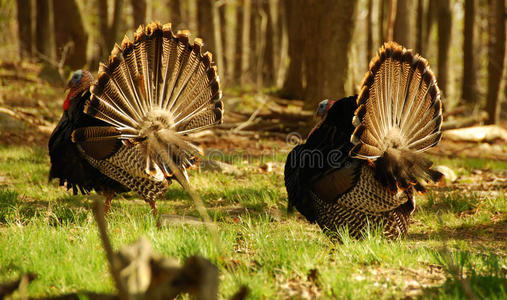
(454, 202)
(496, 232)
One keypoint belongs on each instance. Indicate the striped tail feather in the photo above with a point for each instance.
(153, 92)
(399, 115)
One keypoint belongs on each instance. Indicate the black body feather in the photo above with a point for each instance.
(67, 163)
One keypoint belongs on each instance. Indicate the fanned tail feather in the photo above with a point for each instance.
(154, 91)
(399, 115)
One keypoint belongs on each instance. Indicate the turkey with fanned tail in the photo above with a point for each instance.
(130, 129)
(362, 162)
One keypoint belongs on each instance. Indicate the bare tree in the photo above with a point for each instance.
(430, 20)
(369, 33)
(444, 39)
(239, 43)
(70, 37)
(381, 16)
(419, 27)
(245, 42)
(205, 24)
(24, 15)
(115, 24)
(469, 90)
(391, 15)
(496, 56)
(268, 68)
(139, 12)
(43, 29)
(326, 65)
(402, 23)
(217, 37)
(174, 12)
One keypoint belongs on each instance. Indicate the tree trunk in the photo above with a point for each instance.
(419, 27)
(174, 12)
(326, 64)
(444, 39)
(115, 24)
(496, 55)
(402, 23)
(43, 29)
(70, 37)
(231, 25)
(268, 68)
(369, 33)
(469, 91)
(139, 12)
(293, 85)
(245, 42)
(381, 17)
(217, 37)
(205, 24)
(430, 20)
(24, 8)
(391, 16)
(239, 43)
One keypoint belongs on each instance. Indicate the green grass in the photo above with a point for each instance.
(458, 237)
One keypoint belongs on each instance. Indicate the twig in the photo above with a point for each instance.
(252, 116)
(98, 209)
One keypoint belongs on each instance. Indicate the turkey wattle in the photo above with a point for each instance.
(361, 164)
(128, 130)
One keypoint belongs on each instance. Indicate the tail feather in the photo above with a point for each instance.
(154, 91)
(399, 114)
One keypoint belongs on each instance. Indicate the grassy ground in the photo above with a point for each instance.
(457, 241)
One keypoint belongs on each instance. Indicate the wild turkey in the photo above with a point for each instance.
(129, 129)
(361, 164)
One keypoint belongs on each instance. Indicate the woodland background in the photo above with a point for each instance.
(277, 59)
(296, 49)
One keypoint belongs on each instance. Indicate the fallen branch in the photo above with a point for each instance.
(465, 122)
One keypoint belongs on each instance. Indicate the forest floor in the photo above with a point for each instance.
(456, 246)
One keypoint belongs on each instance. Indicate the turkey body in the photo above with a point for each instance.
(129, 129)
(67, 163)
(360, 166)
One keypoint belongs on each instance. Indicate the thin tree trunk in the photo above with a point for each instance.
(205, 24)
(239, 43)
(139, 12)
(369, 33)
(217, 37)
(245, 42)
(469, 91)
(496, 57)
(115, 25)
(70, 37)
(381, 17)
(444, 39)
(43, 29)
(402, 23)
(254, 40)
(430, 20)
(268, 68)
(391, 16)
(293, 85)
(419, 27)
(174, 12)
(231, 26)
(24, 16)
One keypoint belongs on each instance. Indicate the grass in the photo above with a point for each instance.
(456, 244)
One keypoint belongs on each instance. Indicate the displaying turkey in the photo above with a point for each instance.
(361, 164)
(129, 129)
